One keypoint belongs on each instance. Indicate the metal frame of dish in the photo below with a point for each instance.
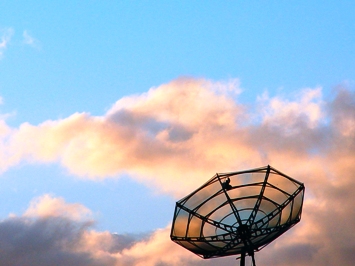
(237, 213)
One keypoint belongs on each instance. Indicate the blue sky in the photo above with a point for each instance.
(94, 53)
(58, 59)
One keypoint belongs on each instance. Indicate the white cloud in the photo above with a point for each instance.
(284, 113)
(5, 37)
(30, 40)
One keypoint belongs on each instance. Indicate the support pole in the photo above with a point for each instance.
(252, 257)
(242, 259)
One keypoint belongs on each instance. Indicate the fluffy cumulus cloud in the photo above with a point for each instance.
(54, 232)
(172, 138)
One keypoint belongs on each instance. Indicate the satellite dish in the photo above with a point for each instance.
(237, 213)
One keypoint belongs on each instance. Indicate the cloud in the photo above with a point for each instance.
(30, 40)
(46, 238)
(191, 127)
(5, 37)
(176, 136)
(307, 106)
(58, 237)
(140, 134)
(47, 206)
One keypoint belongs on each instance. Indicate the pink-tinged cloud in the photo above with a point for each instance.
(184, 132)
(47, 238)
(186, 125)
(47, 206)
(176, 136)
